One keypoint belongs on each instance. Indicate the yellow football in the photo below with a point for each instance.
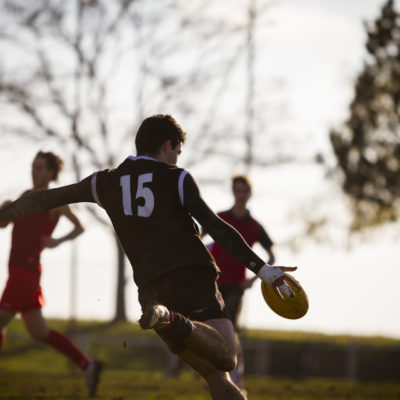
(293, 307)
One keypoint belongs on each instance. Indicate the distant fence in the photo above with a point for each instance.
(299, 359)
(296, 359)
(313, 359)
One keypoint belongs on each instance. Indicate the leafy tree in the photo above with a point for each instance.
(367, 146)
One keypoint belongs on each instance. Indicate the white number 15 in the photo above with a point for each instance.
(141, 192)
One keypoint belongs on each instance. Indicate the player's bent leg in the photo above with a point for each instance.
(35, 324)
(237, 373)
(92, 375)
(219, 382)
(214, 340)
(174, 306)
(5, 318)
(38, 330)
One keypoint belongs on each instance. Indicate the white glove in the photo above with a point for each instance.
(270, 274)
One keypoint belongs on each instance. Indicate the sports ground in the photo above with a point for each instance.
(133, 370)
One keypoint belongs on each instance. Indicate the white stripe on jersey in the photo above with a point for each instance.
(94, 190)
(210, 246)
(180, 185)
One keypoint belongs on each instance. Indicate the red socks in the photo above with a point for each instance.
(62, 344)
(179, 325)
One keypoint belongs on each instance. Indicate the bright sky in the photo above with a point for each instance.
(316, 48)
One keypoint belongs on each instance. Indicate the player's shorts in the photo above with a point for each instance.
(22, 292)
(232, 295)
(190, 291)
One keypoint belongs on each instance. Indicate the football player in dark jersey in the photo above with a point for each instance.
(23, 293)
(152, 205)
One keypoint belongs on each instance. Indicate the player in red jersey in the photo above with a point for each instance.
(23, 293)
(232, 281)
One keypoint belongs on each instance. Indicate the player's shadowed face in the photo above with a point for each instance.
(172, 153)
(41, 174)
(241, 193)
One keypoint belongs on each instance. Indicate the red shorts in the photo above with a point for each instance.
(22, 292)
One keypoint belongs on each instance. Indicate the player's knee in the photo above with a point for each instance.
(230, 359)
(227, 363)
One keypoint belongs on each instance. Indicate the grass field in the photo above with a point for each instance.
(31, 371)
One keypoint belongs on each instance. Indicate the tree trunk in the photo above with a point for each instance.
(249, 128)
(120, 312)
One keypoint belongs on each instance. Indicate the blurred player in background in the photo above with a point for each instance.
(23, 293)
(232, 281)
(151, 203)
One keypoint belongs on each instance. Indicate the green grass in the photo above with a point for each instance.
(145, 385)
(293, 336)
(31, 371)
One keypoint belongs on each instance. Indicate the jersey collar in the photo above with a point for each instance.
(245, 217)
(142, 158)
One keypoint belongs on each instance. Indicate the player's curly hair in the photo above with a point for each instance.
(53, 161)
(242, 179)
(154, 131)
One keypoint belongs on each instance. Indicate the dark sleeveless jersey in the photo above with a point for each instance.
(26, 241)
(144, 199)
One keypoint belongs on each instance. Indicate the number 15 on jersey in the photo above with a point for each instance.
(141, 192)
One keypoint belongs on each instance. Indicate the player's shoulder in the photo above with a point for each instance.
(25, 192)
(147, 162)
(171, 168)
(131, 163)
(253, 220)
(100, 182)
(174, 172)
(105, 172)
(103, 177)
(141, 163)
(225, 213)
(256, 224)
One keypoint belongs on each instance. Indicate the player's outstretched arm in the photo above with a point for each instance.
(41, 200)
(266, 242)
(228, 237)
(78, 228)
(5, 204)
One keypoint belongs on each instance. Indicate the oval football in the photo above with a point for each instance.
(289, 307)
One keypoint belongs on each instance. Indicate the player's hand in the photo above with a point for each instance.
(276, 277)
(49, 242)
